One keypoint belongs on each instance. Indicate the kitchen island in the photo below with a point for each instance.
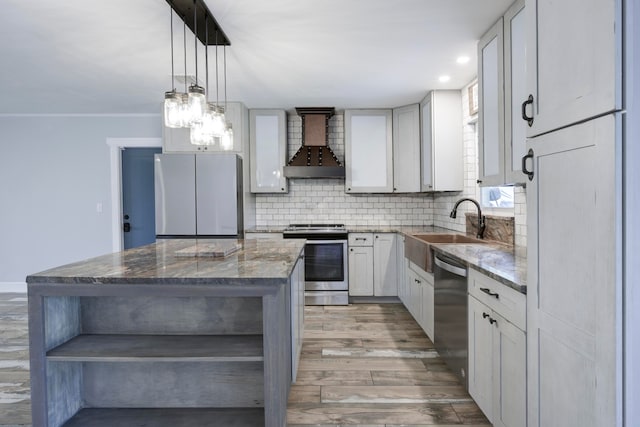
(168, 335)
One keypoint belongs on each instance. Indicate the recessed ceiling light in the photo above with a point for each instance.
(463, 59)
(444, 79)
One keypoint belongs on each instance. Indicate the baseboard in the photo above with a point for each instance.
(13, 287)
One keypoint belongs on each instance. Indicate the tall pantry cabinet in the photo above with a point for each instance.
(574, 298)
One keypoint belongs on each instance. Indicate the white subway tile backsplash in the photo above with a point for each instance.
(324, 200)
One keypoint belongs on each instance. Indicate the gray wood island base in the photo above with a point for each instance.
(145, 337)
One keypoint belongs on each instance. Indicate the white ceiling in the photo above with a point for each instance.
(113, 56)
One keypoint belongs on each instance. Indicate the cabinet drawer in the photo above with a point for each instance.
(360, 239)
(509, 303)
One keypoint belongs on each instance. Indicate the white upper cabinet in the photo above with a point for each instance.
(442, 156)
(406, 149)
(502, 86)
(491, 106)
(368, 151)
(268, 139)
(574, 55)
(515, 83)
(179, 140)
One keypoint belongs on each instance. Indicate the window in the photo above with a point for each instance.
(497, 197)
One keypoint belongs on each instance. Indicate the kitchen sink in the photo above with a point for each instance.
(417, 247)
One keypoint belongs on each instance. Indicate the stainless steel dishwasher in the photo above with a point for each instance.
(450, 313)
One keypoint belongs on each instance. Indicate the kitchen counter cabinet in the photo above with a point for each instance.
(373, 267)
(420, 298)
(497, 350)
(126, 335)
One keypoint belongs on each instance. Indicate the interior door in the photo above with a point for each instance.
(138, 196)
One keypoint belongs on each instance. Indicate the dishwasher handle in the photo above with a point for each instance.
(451, 268)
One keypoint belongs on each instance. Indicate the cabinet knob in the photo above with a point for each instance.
(478, 181)
(485, 315)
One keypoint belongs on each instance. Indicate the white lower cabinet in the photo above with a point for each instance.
(373, 264)
(497, 351)
(385, 271)
(419, 299)
(361, 271)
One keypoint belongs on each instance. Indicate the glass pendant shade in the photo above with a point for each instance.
(226, 142)
(172, 106)
(199, 136)
(197, 103)
(185, 112)
(219, 124)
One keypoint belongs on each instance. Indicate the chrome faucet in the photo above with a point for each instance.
(481, 219)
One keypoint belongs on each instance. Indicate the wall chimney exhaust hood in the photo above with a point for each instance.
(315, 159)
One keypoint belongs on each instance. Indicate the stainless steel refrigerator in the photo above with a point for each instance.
(198, 195)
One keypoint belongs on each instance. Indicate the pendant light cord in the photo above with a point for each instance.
(195, 36)
(217, 68)
(206, 53)
(224, 53)
(172, 70)
(184, 38)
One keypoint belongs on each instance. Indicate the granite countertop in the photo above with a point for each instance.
(157, 263)
(496, 260)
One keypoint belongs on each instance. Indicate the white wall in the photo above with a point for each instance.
(54, 170)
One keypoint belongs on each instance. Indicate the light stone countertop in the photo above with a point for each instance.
(496, 260)
(258, 261)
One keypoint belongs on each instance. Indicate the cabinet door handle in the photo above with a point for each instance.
(488, 292)
(526, 171)
(361, 238)
(492, 321)
(485, 315)
(528, 119)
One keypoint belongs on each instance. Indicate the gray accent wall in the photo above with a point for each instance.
(54, 170)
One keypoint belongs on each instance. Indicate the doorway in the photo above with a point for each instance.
(116, 148)
(138, 201)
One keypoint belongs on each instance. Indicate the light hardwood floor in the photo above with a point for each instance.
(15, 402)
(371, 365)
(367, 365)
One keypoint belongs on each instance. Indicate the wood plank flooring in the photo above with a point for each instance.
(15, 399)
(367, 365)
(371, 365)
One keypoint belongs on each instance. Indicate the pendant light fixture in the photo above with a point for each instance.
(226, 141)
(197, 99)
(193, 108)
(172, 100)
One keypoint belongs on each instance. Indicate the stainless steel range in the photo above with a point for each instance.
(326, 266)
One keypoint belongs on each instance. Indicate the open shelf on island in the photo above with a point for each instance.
(159, 348)
(167, 417)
